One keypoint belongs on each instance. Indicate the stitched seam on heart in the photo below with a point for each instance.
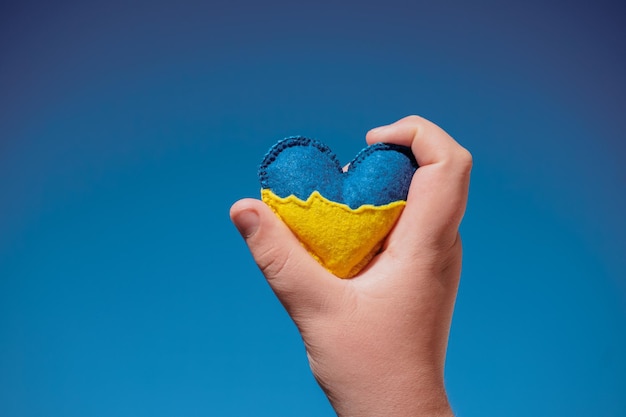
(377, 147)
(291, 142)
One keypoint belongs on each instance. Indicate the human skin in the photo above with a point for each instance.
(376, 343)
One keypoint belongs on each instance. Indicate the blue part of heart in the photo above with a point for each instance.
(380, 174)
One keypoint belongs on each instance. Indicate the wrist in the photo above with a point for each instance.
(364, 391)
(396, 402)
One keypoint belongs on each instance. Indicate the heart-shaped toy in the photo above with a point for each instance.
(341, 218)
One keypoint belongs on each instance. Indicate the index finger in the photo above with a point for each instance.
(438, 193)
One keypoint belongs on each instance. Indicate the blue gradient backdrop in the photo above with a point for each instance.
(127, 129)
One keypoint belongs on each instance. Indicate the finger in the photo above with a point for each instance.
(438, 194)
(297, 279)
(429, 143)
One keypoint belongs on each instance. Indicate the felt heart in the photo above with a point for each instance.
(340, 217)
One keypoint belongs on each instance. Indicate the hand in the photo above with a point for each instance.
(376, 343)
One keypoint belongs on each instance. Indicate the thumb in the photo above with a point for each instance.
(297, 279)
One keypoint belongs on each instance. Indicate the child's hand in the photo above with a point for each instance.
(377, 342)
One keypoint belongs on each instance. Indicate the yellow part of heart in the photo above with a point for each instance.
(342, 239)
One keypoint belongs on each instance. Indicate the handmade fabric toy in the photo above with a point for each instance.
(340, 217)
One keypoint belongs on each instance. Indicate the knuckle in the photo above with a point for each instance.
(413, 118)
(463, 160)
(273, 262)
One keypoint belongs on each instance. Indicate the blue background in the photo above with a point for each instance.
(127, 129)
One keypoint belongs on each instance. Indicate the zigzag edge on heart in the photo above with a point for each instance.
(301, 141)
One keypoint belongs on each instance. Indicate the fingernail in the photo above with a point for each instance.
(247, 222)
